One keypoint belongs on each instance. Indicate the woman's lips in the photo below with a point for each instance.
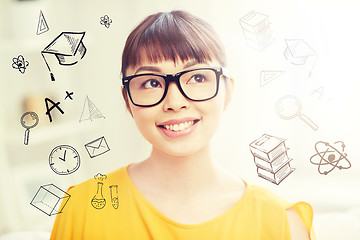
(178, 128)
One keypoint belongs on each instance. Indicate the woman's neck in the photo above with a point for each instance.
(181, 174)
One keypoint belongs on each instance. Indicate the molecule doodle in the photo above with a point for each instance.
(106, 21)
(20, 64)
(329, 159)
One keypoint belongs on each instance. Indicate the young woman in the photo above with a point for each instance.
(176, 88)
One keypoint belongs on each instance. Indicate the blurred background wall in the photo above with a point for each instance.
(327, 85)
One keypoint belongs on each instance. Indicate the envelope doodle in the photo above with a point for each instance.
(97, 147)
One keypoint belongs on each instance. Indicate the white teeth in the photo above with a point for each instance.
(179, 127)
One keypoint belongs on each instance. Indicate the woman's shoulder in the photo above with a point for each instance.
(262, 196)
(271, 210)
(93, 200)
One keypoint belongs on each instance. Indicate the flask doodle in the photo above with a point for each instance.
(98, 201)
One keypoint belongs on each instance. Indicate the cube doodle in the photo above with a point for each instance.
(48, 199)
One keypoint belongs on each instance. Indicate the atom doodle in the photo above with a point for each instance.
(328, 160)
(20, 63)
(106, 21)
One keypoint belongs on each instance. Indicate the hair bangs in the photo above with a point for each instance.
(174, 36)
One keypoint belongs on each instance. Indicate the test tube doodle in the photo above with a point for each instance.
(114, 196)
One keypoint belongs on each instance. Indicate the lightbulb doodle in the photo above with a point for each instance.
(328, 157)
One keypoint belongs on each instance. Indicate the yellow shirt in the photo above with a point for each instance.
(259, 214)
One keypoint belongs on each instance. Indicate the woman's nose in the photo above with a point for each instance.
(174, 100)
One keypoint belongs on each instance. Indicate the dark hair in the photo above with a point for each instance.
(175, 35)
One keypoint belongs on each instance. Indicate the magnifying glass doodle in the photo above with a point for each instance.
(29, 120)
(289, 107)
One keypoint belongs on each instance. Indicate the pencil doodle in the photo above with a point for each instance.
(68, 48)
(20, 64)
(106, 21)
(42, 24)
(50, 199)
(28, 120)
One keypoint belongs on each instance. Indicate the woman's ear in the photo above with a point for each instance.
(126, 99)
(229, 91)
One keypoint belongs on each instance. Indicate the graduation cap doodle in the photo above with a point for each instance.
(297, 51)
(68, 49)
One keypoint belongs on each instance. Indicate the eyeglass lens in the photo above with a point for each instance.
(197, 85)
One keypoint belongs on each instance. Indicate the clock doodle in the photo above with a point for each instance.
(64, 160)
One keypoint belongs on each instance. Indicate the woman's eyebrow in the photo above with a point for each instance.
(148, 68)
(192, 63)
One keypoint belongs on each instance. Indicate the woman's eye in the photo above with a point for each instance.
(151, 83)
(197, 79)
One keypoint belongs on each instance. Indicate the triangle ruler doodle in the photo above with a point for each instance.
(42, 25)
(268, 76)
(90, 111)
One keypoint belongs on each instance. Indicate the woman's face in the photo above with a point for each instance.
(178, 126)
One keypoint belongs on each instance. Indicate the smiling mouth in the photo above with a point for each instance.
(179, 127)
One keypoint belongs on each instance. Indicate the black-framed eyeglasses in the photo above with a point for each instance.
(148, 89)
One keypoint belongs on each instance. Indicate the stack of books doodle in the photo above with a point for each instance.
(256, 29)
(271, 158)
